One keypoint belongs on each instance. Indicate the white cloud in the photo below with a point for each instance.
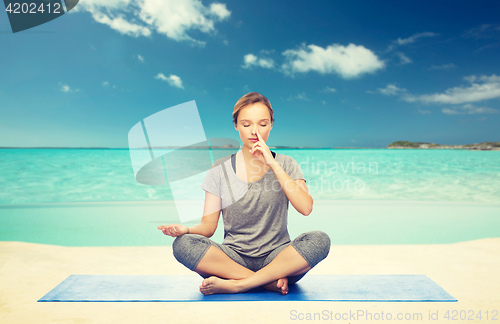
(220, 10)
(107, 84)
(424, 112)
(65, 88)
(328, 89)
(469, 109)
(470, 78)
(120, 24)
(480, 88)
(140, 58)
(412, 39)
(266, 51)
(404, 59)
(173, 18)
(252, 60)
(172, 80)
(443, 67)
(391, 90)
(484, 31)
(347, 61)
(300, 96)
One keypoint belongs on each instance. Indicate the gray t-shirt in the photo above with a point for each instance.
(255, 214)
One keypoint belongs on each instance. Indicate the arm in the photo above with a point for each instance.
(210, 219)
(208, 224)
(296, 191)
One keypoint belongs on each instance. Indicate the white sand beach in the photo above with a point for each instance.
(469, 271)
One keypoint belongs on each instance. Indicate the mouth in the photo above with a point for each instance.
(253, 139)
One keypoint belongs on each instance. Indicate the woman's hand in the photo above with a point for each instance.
(173, 230)
(261, 151)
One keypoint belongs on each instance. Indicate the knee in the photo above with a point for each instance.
(321, 241)
(314, 246)
(179, 245)
(182, 244)
(189, 248)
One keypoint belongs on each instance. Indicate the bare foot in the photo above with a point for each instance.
(280, 285)
(216, 285)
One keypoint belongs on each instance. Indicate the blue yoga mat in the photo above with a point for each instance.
(369, 288)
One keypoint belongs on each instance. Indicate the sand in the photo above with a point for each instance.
(469, 271)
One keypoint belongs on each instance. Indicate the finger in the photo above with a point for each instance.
(258, 134)
(253, 146)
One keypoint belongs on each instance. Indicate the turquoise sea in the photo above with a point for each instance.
(90, 197)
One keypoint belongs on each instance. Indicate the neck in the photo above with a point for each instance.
(249, 159)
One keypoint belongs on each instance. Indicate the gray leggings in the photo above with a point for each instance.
(314, 246)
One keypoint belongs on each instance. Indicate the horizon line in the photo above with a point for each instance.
(146, 148)
(230, 147)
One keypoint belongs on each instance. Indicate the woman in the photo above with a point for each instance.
(253, 188)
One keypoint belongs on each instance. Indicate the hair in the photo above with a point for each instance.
(249, 99)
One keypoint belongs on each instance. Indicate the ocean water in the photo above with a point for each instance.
(97, 175)
(89, 197)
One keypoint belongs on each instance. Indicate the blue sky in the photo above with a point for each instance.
(337, 73)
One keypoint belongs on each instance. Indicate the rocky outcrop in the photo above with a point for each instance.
(484, 146)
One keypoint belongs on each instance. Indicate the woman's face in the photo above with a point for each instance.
(253, 117)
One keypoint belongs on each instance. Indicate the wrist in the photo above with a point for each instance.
(275, 165)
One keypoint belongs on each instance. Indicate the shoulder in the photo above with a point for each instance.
(283, 158)
(216, 169)
(220, 161)
(290, 165)
(215, 173)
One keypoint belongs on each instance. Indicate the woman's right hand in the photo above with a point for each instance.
(173, 230)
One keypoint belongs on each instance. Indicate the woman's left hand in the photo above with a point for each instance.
(261, 151)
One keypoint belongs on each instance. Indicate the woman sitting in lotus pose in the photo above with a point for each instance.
(252, 188)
